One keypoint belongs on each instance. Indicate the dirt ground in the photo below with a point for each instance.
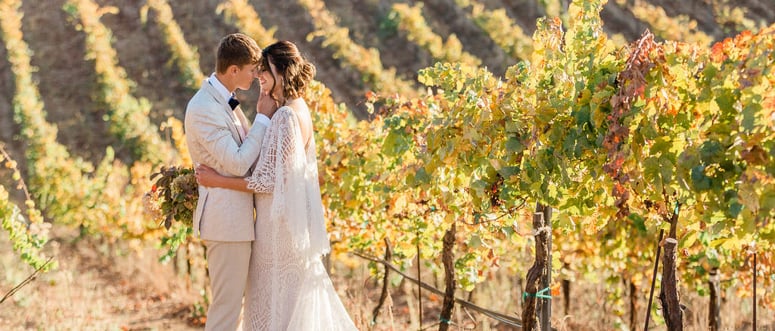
(89, 291)
(98, 286)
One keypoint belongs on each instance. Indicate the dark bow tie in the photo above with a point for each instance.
(233, 103)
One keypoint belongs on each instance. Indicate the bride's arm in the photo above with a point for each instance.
(275, 157)
(206, 176)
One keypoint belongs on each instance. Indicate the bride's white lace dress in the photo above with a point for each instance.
(288, 287)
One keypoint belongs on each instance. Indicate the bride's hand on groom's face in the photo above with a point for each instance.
(205, 175)
(266, 105)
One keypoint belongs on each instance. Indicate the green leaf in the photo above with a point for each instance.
(661, 146)
(666, 169)
(767, 202)
(651, 169)
(734, 208)
(421, 177)
(395, 144)
(749, 116)
(711, 152)
(582, 116)
(726, 99)
(700, 182)
(638, 222)
(749, 222)
(514, 145)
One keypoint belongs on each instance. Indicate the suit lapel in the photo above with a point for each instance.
(243, 120)
(225, 110)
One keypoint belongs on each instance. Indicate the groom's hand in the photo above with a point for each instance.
(266, 105)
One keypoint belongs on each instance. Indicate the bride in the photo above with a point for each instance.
(288, 287)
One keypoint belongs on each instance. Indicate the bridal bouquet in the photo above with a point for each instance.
(173, 196)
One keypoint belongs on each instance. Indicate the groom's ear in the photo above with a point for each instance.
(232, 69)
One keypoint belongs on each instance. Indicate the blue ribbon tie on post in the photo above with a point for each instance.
(542, 294)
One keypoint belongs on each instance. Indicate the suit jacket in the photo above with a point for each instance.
(213, 140)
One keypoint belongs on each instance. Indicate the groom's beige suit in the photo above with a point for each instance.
(219, 137)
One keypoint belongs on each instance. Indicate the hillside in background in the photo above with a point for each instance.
(67, 81)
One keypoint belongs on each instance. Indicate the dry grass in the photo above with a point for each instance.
(96, 289)
(593, 306)
(89, 291)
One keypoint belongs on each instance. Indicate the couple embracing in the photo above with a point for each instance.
(259, 212)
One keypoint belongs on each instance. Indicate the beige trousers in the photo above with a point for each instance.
(228, 265)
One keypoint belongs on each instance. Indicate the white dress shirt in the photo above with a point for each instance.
(226, 94)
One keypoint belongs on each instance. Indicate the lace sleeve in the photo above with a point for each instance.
(278, 148)
(287, 169)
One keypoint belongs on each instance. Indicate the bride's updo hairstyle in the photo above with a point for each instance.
(295, 70)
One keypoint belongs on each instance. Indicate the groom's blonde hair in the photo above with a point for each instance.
(236, 49)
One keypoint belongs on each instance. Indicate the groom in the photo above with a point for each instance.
(219, 135)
